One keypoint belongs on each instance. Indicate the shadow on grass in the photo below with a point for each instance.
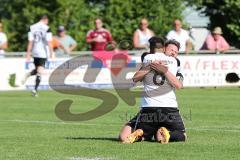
(93, 138)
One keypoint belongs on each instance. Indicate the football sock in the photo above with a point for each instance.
(38, 80)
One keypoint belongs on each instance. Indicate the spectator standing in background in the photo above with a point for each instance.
(99, 38)
(68, 43)
(181, 36)
(142, 35)
(215, 41)
(3, 41)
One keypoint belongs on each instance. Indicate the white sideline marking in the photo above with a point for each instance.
(85, 158)
(57, 123)
(205, 128)
(214, 129)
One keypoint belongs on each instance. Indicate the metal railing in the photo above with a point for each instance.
(131, 52)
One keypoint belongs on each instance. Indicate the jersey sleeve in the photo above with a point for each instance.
(179, 74)
(49, 36)
(89, 34)
(30, 36)
(109, 37)
(173, 67)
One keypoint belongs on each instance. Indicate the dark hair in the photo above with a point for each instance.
(172, 41)
(156, 42)
(44, 16)
(143, 55)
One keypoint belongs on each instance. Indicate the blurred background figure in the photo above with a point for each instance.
(215, 41)
(3, 41)
(180, 35)
(67, 43)
(142, 35)
(40, 47)
(99, 38)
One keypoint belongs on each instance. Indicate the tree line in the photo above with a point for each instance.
(120, 17)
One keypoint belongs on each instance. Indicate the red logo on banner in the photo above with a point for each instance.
(114, 60)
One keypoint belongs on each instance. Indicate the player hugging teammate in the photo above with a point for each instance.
(159, 115)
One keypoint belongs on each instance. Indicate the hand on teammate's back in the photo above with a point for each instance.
(159, 67)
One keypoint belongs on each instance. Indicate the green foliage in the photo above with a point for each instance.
(12, 79)
(18, 15)
(224, 13)
(124, 17)
(120, 17)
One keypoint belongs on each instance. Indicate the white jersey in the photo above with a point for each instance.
(158, 91)
(40, 35)
(3, 39)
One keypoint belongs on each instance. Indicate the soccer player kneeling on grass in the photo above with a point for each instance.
(159, 115)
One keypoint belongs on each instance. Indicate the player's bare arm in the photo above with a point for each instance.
(139, 75)
(162, 69)
(175, 82)
(29, 48)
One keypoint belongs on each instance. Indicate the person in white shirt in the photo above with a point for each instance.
(142, 35)
(180, 35)
(3, 41)
(159, 115)
(39, 46)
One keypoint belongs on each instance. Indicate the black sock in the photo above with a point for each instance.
(33, 72)
(38, 80)
(177, 136)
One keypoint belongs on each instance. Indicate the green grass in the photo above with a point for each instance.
(30, 130)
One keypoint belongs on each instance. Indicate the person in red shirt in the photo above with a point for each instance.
(99, 38)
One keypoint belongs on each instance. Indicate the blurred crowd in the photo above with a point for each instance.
(99, 39)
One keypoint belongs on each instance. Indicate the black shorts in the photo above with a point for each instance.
(39, 61)
(150, 119)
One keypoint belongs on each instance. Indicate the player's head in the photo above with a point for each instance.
(98, 23)
(44, 18)
(171, 47)
(156, 44)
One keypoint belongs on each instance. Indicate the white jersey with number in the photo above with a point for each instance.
(40, 35)
(158, 91)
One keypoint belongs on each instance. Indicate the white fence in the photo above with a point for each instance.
(199, 71)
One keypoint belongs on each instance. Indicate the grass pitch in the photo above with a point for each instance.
(30, 130)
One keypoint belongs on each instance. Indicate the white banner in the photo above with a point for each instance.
(199, 71)
(209, 70)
